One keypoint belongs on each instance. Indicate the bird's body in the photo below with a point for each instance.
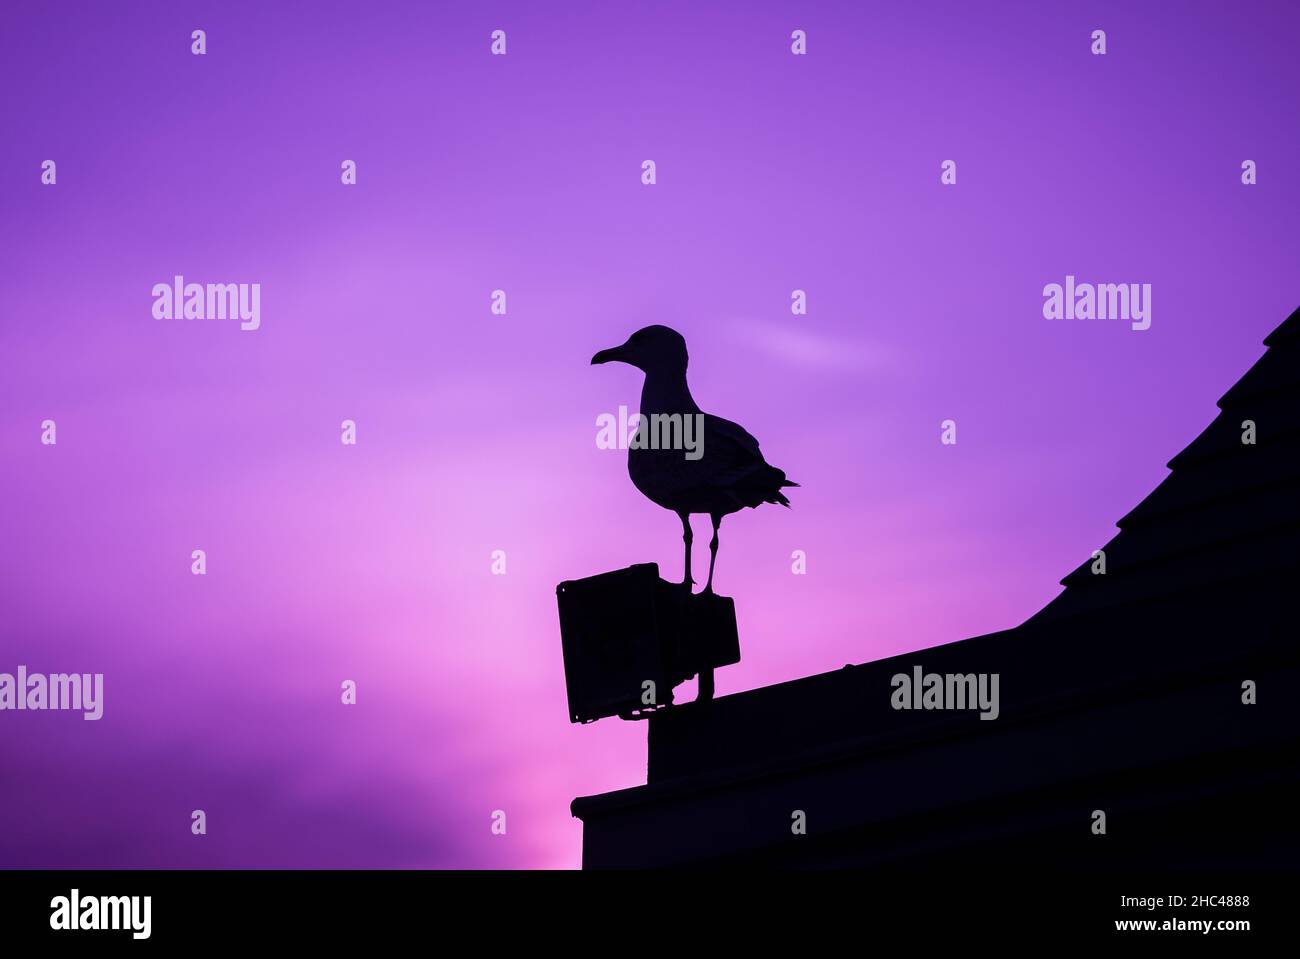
(728, 474)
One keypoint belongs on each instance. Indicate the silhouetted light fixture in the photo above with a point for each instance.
(629, 638)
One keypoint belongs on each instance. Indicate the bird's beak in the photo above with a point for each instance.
(613, 355)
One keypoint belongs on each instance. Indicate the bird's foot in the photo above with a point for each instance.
(686, 584)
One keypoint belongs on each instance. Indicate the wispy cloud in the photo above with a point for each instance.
(810, 349)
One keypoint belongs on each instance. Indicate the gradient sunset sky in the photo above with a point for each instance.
(476, 432)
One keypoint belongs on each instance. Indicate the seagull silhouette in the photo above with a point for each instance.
(730, 475)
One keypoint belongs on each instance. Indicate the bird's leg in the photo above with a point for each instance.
(713, 550)
(687, 538)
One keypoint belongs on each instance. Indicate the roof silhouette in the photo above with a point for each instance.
(1227, 511)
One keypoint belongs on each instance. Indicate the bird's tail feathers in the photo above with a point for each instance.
(777, 495)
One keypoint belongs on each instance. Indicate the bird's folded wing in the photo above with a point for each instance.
(725, 429)
(730, 452)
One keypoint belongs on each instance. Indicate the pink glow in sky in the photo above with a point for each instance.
(476, 432)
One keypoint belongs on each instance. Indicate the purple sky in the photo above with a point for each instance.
(477, 432)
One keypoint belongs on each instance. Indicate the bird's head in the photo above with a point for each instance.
(654, 349)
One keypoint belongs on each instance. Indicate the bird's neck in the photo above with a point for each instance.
(667, 393)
